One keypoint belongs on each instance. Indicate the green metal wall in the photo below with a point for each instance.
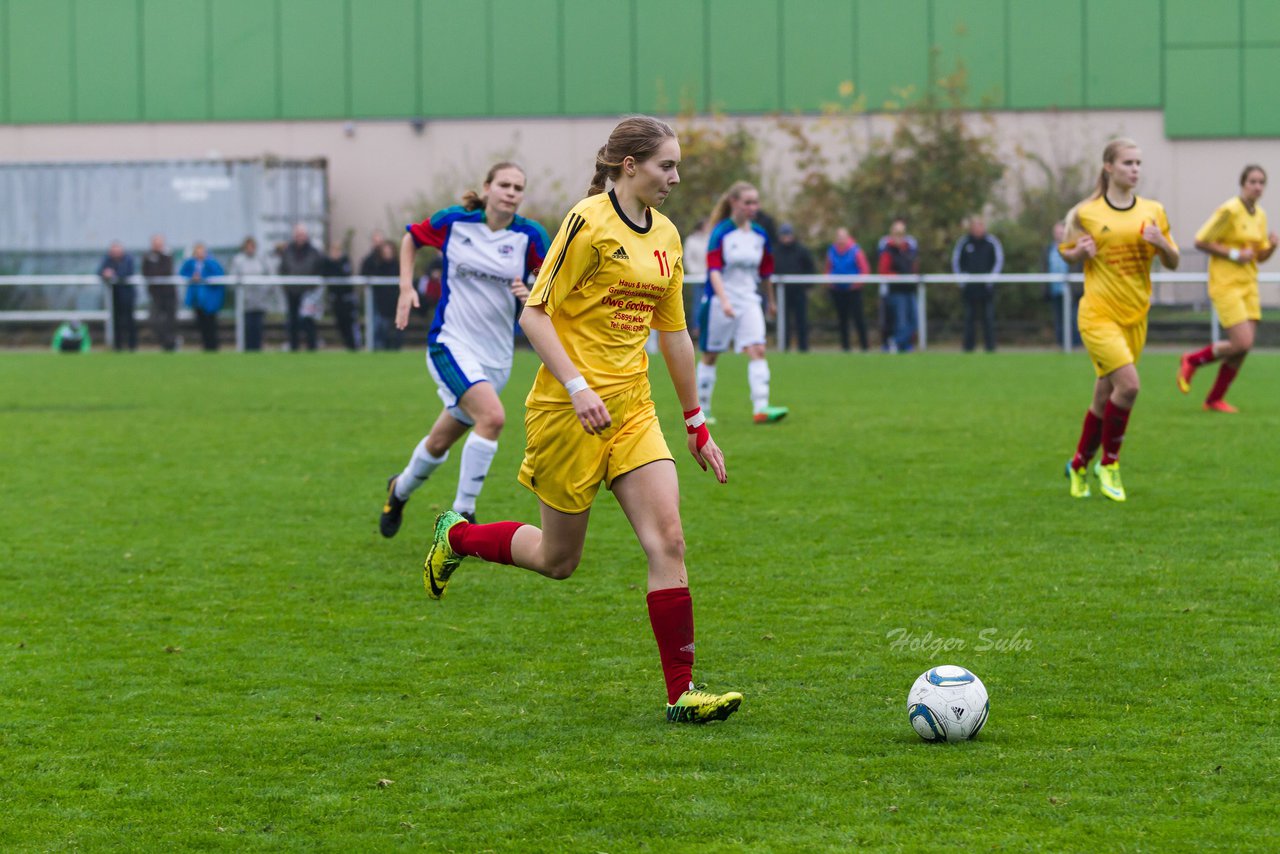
(1208, 63)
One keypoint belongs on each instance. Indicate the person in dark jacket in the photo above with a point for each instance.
(898, 254)
(384, 261)
(158, 264)
(978, 253)
(300, 258)
(791, 257)
(342, 296)
(115, 270)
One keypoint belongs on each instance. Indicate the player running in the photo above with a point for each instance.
(1237, 240)
(488, 252)
(739, 265)
(613, 272)
(1116, 233)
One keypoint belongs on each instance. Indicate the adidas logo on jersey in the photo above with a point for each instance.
(621, 254)
(1105, 229)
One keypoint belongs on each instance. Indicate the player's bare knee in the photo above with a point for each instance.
(490, 424)
(560, 568)
(436, 447)
(669, 545)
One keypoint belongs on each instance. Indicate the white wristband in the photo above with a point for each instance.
(1234, 254)
(697, 420)
(575, 385)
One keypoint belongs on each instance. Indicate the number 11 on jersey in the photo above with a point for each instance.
(664, 268)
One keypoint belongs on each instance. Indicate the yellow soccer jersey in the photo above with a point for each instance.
(1117, 280)
(604, 283)
(1233, 226)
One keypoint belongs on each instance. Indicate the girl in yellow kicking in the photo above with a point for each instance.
(613, 272)
(1237, 240)
(1116, 234)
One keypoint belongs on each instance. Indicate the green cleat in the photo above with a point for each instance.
(441, 560)
(1079, 479)
(771, 414)
(700, 707)
(1109, 480)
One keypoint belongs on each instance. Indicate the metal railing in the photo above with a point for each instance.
(922, 283)
(236, 283)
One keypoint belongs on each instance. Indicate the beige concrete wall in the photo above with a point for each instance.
(377, 168)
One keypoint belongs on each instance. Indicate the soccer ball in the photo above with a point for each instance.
(947, 703)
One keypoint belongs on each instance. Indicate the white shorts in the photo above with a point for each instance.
(455, 370)
(716, 332)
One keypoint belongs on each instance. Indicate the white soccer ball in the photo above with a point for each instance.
(947, 703)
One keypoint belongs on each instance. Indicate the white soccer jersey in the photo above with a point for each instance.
(743, 257)
(477, 312)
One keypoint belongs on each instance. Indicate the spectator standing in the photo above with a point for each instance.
(342, 296)
(898, 254)
(846, 258)
(203, 298)
(978, 253)
(115, 270)
(695, 264)
(793, 258)
(300, 258)
(430, 286)
(383, 261)
(158, 264)
(1057, 266)
(258, 299)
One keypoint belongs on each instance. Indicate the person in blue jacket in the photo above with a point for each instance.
(205, 299)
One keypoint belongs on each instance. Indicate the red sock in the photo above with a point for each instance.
(671, 615)
(1201, 357)
(1226, 374)
(490, 542)
(1114, 421)
(1090, 439)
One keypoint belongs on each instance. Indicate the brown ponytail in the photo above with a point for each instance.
(1251, 168)
(635, 136)
(471, 200)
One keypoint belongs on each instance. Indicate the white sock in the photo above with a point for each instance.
(758, 377)
(706, 385)
(420, 467)
(477, 456)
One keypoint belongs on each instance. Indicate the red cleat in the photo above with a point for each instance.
(1220, 406)
(1185, 372)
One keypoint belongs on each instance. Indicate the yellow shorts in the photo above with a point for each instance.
(1236, 304)
(1111, 345)
(564, 465)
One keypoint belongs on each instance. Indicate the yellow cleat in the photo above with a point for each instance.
(1109, 480)
(441, 560)
(1079, 479)
(700, 707)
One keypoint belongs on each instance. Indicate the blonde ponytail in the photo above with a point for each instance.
(1109, 155)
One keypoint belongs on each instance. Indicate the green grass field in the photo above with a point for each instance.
(204, 643)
